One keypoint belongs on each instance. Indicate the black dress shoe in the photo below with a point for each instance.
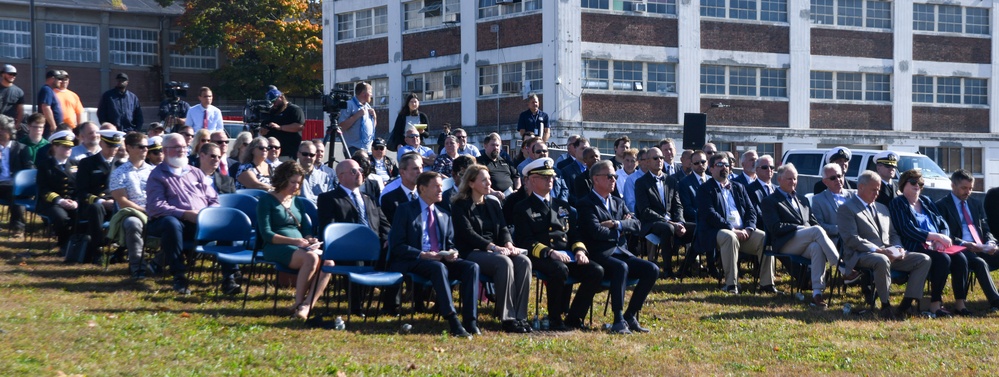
(557, 326)
(887, 313)
(633, 325)
(513, 327)
(964, 312)
(472, 327)
(620, 328)
(731, 289)
(456, 329)
(230, 287)
(180, 286)
(769, 289)
(943, 313)
(575, 324)
(525, 325)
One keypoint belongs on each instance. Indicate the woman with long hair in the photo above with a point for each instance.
(254, 171)
(409, 114)
(242, 141)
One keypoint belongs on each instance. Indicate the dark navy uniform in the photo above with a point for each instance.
(91, 189)
(57, 182)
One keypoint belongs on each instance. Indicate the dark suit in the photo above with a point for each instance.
(55, 183)
(19, 159)
(757, 192)
(569, 169)
(715, 231)
(608, 248)
(545, 229)
(511, 202)
(795, 231)
(687, 189)
(742, 180)
(223, 184)
(405, 246)
(913, 238)
(888, 192)
(393, 199)
(654, 210)
(980, 263)
(92, 186)
(863, 234)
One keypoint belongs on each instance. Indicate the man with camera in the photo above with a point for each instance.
(285, 122)
(173, 111)
(358, 120)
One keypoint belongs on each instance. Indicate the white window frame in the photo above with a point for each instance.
(935, 93)
(963, 17)
(347, 27)
(72, 47)
(838, 89)
(199, 58)
(757, 85)
(138, 50)
(509, 79)
(657, 7)
(758, 9)
(437, 87)
(15, 38)
(614, 84)
(491, 9)
(836, 5)
(425, 14)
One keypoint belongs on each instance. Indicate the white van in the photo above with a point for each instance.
(810, 162)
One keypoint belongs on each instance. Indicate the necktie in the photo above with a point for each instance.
(766, 188)
(874, 215)
(360, 208)
(432, 229)
(970, 224)
(204, 124)
(412, 195)
(224, 169)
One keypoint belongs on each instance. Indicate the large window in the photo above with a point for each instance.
(629, 76)
(362, 23)
(743, 81)
(493, 8)
(950, 19)
(953, 90)
(429, 13)
(640, 6)
(139, 47)
(952, 158)
(435, 86)
(511, 79)
(71, 43)
(761, 10)
(874, 14)
(850, 86)
(15, 39)
(196, 58)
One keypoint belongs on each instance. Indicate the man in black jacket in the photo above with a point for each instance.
(658, 205)
(93, 192)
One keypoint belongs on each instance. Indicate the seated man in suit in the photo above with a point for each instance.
(345, 204)
(965, 218)
(210, 162)
(604, 224)
(548, 231)
(870, 241)
(825, 204)
(726, 221)
(794, 230)
(748, 163)
(659, 207)
(410, 167)
(839, 156)
(128, 187)
(573, 166)
(583, 182)
(420, 232)
(92, 190)
(762, 187)
(687, 187)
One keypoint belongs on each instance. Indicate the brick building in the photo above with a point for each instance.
(771, 74)
(94, 41)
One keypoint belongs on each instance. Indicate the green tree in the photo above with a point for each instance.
(265, 42)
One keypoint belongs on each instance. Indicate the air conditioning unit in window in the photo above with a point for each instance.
(452, 81)
(452, 18)
(641, 7)
(415, 86)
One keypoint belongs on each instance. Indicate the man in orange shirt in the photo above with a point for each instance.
(72, 108)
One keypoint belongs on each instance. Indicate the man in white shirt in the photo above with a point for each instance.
(89, 142)
(204, 114)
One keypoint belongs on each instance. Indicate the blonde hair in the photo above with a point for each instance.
(471, 174)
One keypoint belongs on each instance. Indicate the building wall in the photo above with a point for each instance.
(862, 44)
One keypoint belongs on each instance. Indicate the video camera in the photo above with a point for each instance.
(336, 101)
(174, 91)
(255, 113)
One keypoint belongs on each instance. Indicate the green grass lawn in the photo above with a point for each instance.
(79, 319)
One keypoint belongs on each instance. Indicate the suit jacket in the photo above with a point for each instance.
(757, 193)
(337, 206)
(545, 228)
(55, 183)
(824, 207)
(511, 202)
(712, 216)
(392, 199)
(687, 189)
(224, 184)
(92, 178)
(781, 221)
(598, 238)
(650, 206)
(406, 235)
(953, 216)
(569, 174)
(887, 193)
(820, 186)
(474, 231)
(861, 234)
(742, 180)
(904, 221)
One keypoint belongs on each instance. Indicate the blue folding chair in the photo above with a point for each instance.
(356, 243)
(256, 193)
(224, 225)
(310, 209)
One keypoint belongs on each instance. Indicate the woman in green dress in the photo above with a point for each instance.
(288, 239)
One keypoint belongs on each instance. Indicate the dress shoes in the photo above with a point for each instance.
(819, 302)
(620, 328)
(964, 312)
(887, 313)
(575, 324)
(181, 287)
(557, 326)
(633, 325)
(472, 327)
(943, 313)
(230, 287)
(769, 289)
(514, 327)
(731, 289)
(456, 329)
(526, 325)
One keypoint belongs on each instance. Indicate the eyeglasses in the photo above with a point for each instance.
(834, 177)
(698, 162)
(262, 148)
(765, 167)
(722, 164)
(380, 148)
(915, 181)
(221, 142)
(609, 176)
(660, 158)
(412, 136)
(540, 151)
(189, 135)
(273, 148)
(308, 154)
(140, 146)
(213, 156)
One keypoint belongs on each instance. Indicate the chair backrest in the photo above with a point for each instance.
(25, 183)
(223, 224)
(245, 203)
(310, 209)
(350, 242)
(256, 193)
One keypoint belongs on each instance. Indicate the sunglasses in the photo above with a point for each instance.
(140, 146)
(214, 156)
(539, 151)
(914, 181)
(698, 162)
(412, 136)
(273, 148)
(834, 177)
(461, 137)
(308, 154)
(206, 140)
(722, 164)
(12, 74)
(262, 148)
(765, 167)
(609, 176)
(246, 144)
(660, 158)
(379, 148)
(221, 142)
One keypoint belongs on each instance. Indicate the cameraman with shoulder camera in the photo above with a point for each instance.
(286, 122)
(173, 111)
(358, 120)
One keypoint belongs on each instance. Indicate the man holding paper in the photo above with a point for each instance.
(870, 241)
(965, 218)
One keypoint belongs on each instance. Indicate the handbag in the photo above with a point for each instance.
(76, 248)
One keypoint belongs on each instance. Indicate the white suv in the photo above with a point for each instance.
(810, 162)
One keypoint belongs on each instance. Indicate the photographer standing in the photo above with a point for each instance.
(358, 120)
(173, 111)
(286, 122)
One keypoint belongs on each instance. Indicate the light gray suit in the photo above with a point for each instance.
(863, 235)
(824, 207)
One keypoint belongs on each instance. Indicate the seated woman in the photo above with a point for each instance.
(481, 236)
(254, 171)
(288, 239)
(921, 228)
(444, 160)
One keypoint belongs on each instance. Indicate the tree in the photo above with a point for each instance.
(266, 42)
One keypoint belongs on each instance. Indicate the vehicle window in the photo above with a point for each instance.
(853, 170)
(924, 164)
(806, 163)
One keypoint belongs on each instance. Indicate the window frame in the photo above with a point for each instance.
(503, 86)
(19, 36)
(207, 56)
(652, 7)
(614, 68)
(863, 89)
(121, 57)
(756, 87)
(963, 95)
(488, 9)
(84, 54)
(758, 10)
(832, 11)
(925, 15)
